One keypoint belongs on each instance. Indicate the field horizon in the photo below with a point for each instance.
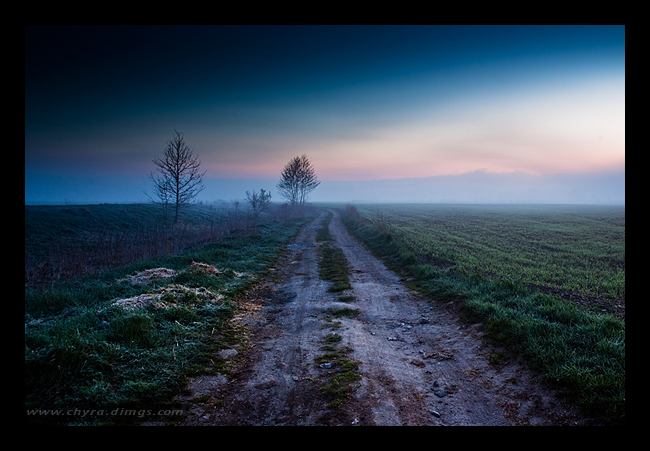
(339, 203)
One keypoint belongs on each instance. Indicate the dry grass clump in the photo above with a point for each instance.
(149, 275)
(137, 301)
(174, 293)
(210, 269)
(169, 296)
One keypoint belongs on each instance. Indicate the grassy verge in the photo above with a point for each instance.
(342, 376)
(333, 266)
(581, 353)
(90, 360)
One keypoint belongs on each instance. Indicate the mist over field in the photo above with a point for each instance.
(605, 188)
(483, 187)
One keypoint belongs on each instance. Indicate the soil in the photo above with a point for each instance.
(419, 364)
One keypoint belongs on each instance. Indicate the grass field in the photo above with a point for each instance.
(536, 276)
(577, 249)
(64, 242)
(112, 348)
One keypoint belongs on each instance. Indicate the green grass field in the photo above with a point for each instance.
(530, 274)
(90, 357)
(578, 249)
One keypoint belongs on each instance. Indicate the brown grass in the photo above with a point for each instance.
(149, 275)
(167, 296)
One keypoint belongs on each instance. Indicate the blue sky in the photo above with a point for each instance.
(514, 106)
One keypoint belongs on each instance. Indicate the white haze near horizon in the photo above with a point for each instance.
(603, 188)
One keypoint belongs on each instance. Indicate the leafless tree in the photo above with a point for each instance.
(258, 201)
(297, 180)
(179, 180)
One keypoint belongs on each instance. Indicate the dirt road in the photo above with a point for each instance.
(418, 364)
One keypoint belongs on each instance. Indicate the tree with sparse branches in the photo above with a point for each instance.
(258, 201)
(179, 180)
(297, 180)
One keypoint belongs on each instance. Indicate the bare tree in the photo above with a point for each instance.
(297, 180)
(179, 180)
(258, 201)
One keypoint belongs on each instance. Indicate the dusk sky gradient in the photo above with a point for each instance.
(400, 113)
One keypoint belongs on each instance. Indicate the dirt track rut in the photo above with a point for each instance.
(418, 364)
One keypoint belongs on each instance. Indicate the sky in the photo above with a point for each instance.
(495, 114)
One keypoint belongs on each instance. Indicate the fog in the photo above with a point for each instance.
(475, 187)
(483, 187)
